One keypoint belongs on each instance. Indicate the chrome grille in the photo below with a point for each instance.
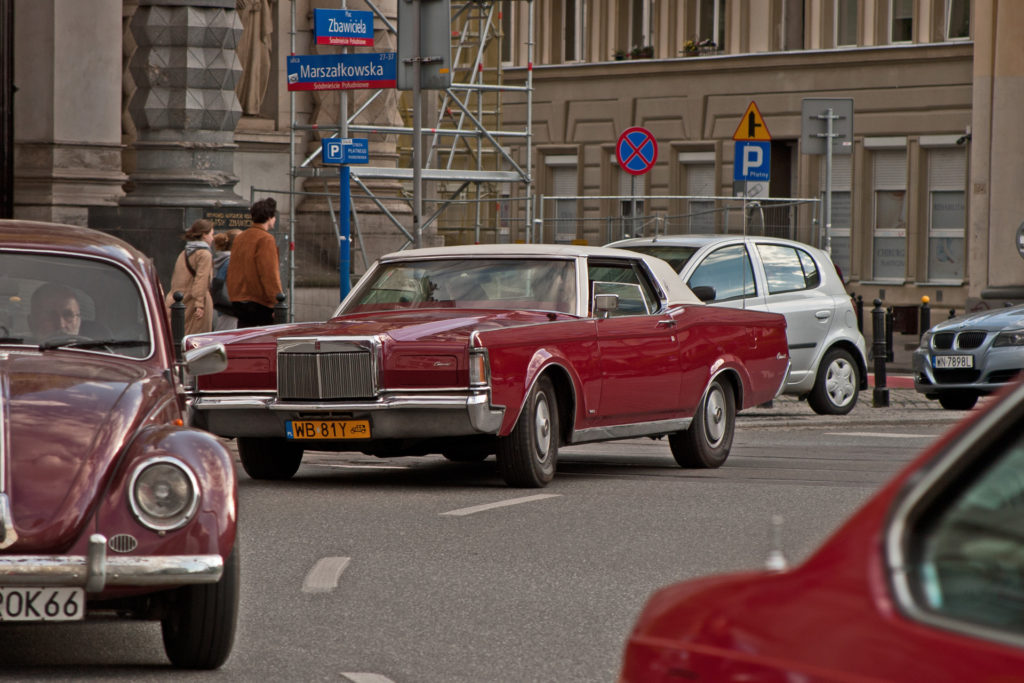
(305, 376)
(970, 340)
(122, 543)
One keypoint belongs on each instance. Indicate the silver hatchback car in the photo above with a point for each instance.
(970, 356)
(826, 348)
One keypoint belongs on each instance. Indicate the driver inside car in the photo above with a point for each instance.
(54, 311)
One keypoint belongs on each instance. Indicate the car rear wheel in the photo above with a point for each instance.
(199, 626)
(835, 390)
(958, 400)
(269, 458)
(527, 456)
(706, 444)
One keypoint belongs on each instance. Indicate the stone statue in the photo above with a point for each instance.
(254, 53)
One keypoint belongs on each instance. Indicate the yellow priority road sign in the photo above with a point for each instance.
(752, 126)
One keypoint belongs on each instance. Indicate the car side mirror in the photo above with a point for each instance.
(206, 360)
(604, 304)
(705, 293)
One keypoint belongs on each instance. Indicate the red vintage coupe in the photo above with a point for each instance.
(109, 505)
(509, 349)
(924, 583)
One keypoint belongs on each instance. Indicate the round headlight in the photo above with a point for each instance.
(164, 494)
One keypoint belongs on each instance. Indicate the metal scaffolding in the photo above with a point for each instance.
(466, 164)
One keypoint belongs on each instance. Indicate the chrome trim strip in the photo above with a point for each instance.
(631, 430)
(8, 534)
(97, 571)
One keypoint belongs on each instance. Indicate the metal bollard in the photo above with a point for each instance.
(859, 307)
(178, 325)
(952, 313)
(890, 323)
(926, 317)
(280, 310)
(880, 396)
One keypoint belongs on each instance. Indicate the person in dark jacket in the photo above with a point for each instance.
(222, 243)
(254, 276)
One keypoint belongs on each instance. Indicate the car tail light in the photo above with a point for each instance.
(479, 368)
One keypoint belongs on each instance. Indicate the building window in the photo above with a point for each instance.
(958, 19)
(792, 25)
(564, 190)
(842, 187)
(640, 27)
(632, 192)
(507, 31)
(845, 22)
(890, 215)
(711, 22)
(901, 23)
(575, 29)
(947, 214)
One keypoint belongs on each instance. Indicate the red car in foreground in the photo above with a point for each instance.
(504, 349)
(924, 583)
(109, 506)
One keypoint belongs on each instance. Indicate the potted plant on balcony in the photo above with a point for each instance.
(642, 52)
(689, 49)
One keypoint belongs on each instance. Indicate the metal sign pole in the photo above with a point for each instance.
(344, 199)
(417, 129)
(828, 181)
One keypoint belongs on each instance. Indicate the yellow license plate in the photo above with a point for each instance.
(327, 429)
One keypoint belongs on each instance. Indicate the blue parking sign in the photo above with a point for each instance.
(345, 151)
(752, 160)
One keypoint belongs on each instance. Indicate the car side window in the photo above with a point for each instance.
(729, 271)
(608, 277)
(788, 269)
(968, 557)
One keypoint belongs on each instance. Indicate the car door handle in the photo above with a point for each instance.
(823, 315)
(667, 323)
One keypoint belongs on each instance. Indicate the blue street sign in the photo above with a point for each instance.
(343, 27)
(752, 160)
(636, 150)
(345, 151)
(342, 72)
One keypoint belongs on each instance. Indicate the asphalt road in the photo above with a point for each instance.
(418, 569)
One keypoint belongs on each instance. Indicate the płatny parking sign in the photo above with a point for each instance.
(345, 151)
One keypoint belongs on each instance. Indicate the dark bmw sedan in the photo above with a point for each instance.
(109, 506)
(970, 356)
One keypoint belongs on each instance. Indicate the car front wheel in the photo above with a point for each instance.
(269, 458)
(835, 389)
(707, 442)
(199, 625)
(527, 456)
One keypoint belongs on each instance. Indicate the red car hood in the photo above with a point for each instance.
(69, 417)
(435, 325)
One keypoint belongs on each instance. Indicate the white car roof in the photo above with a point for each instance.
(675, 289)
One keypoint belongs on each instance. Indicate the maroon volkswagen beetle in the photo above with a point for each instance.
(507, 349)
(109, 506)
(924, 583)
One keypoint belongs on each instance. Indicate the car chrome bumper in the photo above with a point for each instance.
(97, 571)
(393, 416)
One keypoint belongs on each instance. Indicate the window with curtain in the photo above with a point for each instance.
(889, 258)
(958, 19)
(564, 184)
(901, 21)
(507, 31)
(575, 29)
(845, 22)
(639, 23)
(700, 182)
(711, 22)
(632, 191)
(947, 213)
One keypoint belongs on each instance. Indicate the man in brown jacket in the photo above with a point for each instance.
(254, 276)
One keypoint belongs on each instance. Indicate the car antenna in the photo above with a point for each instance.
(776, 561)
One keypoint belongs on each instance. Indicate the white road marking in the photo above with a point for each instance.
(324, 575)
(461, 512)
(881, 435)
(364, 467)
(366, 678)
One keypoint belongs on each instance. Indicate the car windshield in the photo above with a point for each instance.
(676, 254)
(506, 283)
(56, 301)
